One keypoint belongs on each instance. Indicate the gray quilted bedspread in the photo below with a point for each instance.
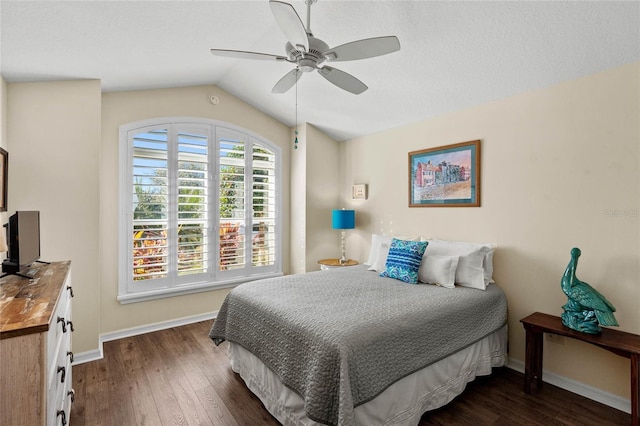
(339, 338)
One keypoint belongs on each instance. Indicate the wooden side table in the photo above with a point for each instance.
(326, 264)
(619, 342)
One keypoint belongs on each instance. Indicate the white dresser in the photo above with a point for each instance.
(35, 347)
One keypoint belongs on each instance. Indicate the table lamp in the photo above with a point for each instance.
(342, 220)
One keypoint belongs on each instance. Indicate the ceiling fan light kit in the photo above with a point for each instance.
(309, 53)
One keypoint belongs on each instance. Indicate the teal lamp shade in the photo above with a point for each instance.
(343, 219)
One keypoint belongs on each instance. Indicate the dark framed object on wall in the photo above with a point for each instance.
(4, 175)
(446, 176)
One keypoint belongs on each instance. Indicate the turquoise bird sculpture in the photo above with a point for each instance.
(586, 308)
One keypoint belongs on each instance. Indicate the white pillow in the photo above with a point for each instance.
(373, 250)
(461, 247)
(439, 270)
(471, 271)
(377, 241)
(488, 264)
(382, 253)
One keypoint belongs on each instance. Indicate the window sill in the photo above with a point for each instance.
(145, 296)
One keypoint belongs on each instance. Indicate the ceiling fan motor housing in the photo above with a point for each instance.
(308, 61)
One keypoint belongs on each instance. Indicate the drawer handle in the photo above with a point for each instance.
(64, 373)
(64, 416)
(72, 394)
(70, 290)
(64, 325)
(70, 355)
(70, 323)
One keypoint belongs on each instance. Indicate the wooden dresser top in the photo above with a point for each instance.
(26, 305)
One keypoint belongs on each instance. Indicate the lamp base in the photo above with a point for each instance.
(343, 257)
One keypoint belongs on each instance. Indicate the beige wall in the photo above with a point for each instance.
(322, 196)
(314, 194)
(560, 169)
(53, 139)
(125, 107)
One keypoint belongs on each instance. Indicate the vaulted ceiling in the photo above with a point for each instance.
(453, 55)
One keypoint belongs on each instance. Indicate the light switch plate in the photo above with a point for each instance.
(359, 191)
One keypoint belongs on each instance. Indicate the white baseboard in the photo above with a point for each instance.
(581, 389)
(97, 354)
(82, 357)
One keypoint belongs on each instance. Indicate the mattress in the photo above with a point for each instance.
(401, 404)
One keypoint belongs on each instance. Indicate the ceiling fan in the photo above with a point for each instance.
(310, 53)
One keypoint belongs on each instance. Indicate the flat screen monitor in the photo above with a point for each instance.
(23, 238)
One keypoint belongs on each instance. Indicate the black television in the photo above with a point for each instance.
(23, 241)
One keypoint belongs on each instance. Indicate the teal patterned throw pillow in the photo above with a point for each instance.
(404, 260)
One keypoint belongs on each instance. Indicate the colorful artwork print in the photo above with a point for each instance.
(446, 176)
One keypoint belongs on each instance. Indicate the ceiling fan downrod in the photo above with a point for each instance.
(309, 3)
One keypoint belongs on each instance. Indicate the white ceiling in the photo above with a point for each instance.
(453, 54)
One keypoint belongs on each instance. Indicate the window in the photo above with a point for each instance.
(200, 208)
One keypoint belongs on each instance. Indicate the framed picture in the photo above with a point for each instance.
(4, 175)
(447, 176)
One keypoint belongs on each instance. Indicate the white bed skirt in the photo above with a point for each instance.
(402, 403)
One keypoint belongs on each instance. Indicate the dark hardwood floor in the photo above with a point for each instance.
(179, 377)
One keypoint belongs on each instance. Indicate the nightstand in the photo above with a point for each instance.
(326, 264)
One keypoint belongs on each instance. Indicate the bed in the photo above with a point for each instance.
(350, 347)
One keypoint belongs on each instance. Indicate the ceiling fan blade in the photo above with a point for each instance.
(287, 82)
(343, 80)
(290, 24)
(241, 54)
(362, 49)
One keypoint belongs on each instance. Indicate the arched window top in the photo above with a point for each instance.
(164, 121)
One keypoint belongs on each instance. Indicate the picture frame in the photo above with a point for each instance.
(446, 176)
(4, 178)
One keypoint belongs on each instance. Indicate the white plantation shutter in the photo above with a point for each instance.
(193, 203)
(200, 206)
(264, 206)
(232, 194)
(149, 192)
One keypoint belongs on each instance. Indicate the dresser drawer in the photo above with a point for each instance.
(60, 409)
(61, 324)
(59, 359)
(60, 384)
